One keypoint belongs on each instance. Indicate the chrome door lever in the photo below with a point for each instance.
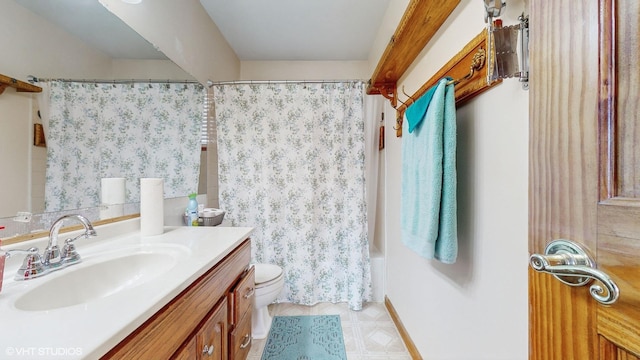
(570, 263)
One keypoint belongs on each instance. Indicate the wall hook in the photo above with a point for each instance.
(398, 125)
(407, 103)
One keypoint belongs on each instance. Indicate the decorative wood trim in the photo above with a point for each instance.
(20, 86)
(609, 350)
(411, 347)
(457, 68)
(607, 108)
(388, 90)
(420, 21)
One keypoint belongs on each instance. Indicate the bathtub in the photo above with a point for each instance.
(377, 274)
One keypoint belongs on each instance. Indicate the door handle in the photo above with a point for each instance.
(570, 263)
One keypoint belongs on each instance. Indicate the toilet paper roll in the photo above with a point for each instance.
(151, 206)
(112, 190)
(112, 196)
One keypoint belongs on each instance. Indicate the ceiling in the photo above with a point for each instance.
(89, 21)
(258, 30)
(298, 29)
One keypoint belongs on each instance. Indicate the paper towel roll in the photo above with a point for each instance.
(112, 197)
(151, 206)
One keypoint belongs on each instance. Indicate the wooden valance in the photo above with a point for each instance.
(420, 21)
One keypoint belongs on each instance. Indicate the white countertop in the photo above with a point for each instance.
(91, 329)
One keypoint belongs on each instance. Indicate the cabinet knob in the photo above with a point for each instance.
(208, 350)
(246, 342)
(249, 293)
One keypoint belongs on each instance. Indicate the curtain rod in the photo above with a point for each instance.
(250, 82)
(32, 79)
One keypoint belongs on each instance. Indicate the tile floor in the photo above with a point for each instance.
(369, 334)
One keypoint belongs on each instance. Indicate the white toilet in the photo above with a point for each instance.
(269, 283)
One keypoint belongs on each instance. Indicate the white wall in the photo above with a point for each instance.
(185, 33)
(388, 27)
(14, 190)
(147, 69)
(304, 70)
(34, 46)
(477, 307)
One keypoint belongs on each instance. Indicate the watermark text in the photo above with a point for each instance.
(42, 351)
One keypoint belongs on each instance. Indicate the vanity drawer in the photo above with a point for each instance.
(240, 339)
(241, 297)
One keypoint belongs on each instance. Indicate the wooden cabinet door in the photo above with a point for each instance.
(211, 338)
(240, 339)
(584, 172)
(241, 297)
(188, 351)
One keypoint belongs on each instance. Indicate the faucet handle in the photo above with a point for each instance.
(31, 265)
(69, 254)
(51, 256)
(30, 251)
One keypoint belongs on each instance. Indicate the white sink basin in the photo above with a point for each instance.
(79, 284)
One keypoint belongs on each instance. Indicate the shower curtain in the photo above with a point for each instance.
(291, 165)
(134, 130)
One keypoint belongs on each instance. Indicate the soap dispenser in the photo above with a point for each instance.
(192, 210)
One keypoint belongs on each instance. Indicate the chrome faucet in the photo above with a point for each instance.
(53, 258)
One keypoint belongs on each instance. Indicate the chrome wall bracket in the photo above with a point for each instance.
(568, 262)
(508, 54)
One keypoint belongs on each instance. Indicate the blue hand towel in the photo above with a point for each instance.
(415, 112)
(429, 205)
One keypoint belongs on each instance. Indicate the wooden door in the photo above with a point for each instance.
(584, 172)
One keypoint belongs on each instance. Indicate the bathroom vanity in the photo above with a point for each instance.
(184, 294)
(209, 320)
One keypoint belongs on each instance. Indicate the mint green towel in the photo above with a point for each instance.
(428, 201)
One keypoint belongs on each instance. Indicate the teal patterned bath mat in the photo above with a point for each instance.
(305, 338)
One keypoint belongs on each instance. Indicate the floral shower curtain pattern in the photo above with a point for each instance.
(291, 165)
(99, 130)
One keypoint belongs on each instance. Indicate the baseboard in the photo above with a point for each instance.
(411, 347)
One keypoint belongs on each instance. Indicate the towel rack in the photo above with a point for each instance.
(476, 64)
(467, 66)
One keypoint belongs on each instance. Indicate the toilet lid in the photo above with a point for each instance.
(266, 272)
